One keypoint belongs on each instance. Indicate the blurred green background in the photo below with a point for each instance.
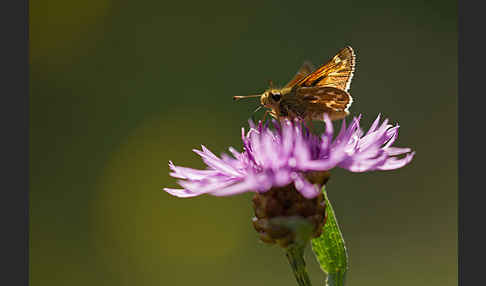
(118, 88)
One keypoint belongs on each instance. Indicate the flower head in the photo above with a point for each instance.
(290, 154)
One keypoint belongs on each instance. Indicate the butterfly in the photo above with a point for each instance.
(311, 93)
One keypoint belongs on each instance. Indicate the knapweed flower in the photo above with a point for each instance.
(290, 154)
(286, 167)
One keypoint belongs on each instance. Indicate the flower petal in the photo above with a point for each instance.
(214, 162)
(305, 188)
(181, 193)
(395, 163)
(189, 173)
(234, 189)
(394, 151)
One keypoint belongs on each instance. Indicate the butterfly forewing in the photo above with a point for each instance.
(304, 70)
(337, 73)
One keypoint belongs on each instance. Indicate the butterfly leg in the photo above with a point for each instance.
(265, 115)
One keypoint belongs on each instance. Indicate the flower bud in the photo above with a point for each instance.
(287, 202)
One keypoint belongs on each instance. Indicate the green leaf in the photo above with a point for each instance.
(330, 249)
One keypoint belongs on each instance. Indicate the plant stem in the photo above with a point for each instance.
(295, 255)
(335, 279)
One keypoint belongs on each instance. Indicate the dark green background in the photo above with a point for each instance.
(118, 88)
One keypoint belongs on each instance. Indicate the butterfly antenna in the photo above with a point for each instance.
(238, 97)
(270, 83)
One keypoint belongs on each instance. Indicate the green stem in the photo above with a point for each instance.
(335, 279)
(295, 255)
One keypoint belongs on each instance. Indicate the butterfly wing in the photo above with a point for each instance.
(313, 102)
(337, 73)
(304, 71)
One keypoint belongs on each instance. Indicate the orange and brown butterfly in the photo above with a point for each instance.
(311, 93)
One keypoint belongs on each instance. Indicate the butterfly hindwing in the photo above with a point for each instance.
(325, 99)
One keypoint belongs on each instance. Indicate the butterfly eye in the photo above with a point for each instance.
(275, 96)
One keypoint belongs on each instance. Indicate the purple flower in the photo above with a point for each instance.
(283, 155)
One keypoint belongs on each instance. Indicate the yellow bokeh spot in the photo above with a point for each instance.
(137, 218)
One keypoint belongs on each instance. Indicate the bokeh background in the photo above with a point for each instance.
(118, 88)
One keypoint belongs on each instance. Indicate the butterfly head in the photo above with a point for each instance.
(270, 98)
